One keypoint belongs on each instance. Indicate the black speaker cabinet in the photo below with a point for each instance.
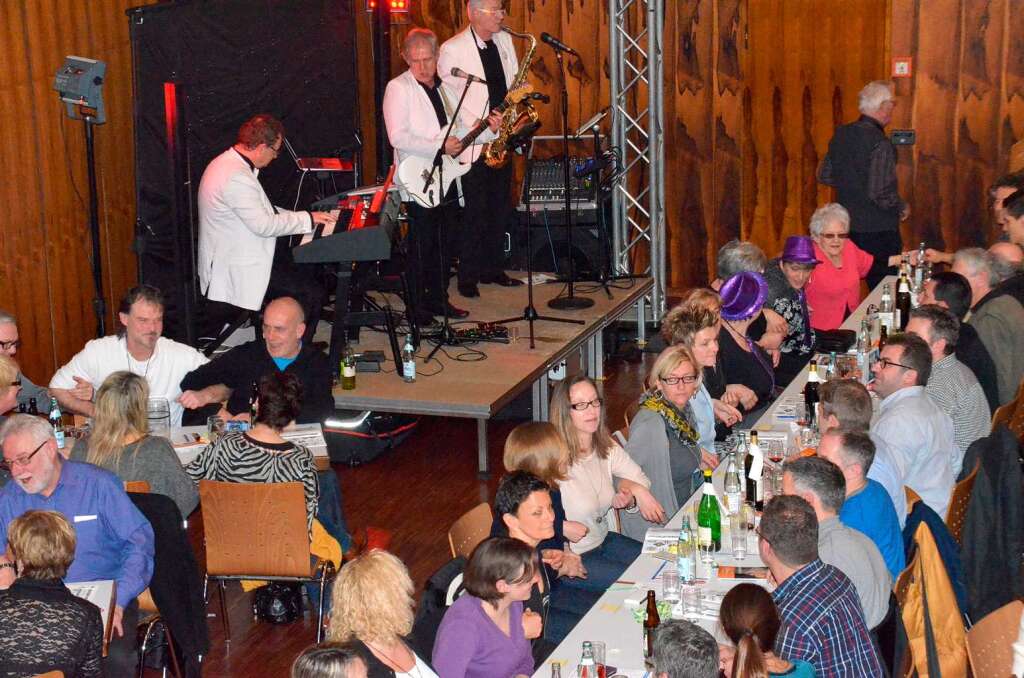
(551, 249)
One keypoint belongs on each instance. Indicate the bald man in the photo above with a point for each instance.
(232, 374)
(1008, 258)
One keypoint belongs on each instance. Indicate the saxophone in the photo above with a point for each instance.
(518, 119)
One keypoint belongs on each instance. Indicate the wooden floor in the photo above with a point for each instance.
(438, 463)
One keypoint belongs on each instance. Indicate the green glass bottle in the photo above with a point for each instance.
(709, 519)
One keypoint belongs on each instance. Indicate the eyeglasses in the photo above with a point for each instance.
(672, 381)
(8, 345)
(495, 12)
(276, 150)
(579, 407)
(16, 382)
(835, 236)
(9, 464)
(885, 362)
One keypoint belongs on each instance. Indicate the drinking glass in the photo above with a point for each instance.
(738, 534)
(158, 412)
(692, 601)
(670, 585)
(214, 428)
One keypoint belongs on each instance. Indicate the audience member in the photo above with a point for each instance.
(330, 660)
(1008, 263)
(952, 291)
(231, 375)
(696, 327)
(663, 437)
(740, 256)
(137, 348)
(868, 508)
(523, 505)
(10, 341)
(114, 540)
(118, 442)
(261, 455)
(373, 597)
(999, 192)
(1013, 216)
(684, 650)
(833, 289)
(745, 363)
(917, 435)
(10, 385)
(787, 278)
(481, 635)
(951, 385)
(821, 484)
(46, 628)
(861, 165)
(751, 621)
(589, 491)
(999, 319)
(846, 403)
(822, 620)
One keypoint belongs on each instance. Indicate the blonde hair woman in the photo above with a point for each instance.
(10, 384)
(664, 438)
(119, 442)
(595, 461)
(372, 608)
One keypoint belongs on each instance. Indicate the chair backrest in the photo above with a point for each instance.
(905, 578)
(50, 674)
(472, 528)
(255, 529)
(990, 641)
(960, 499)
(1012, 414)
(912, 498)
(140, 486)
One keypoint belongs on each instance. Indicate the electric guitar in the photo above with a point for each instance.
(421, 179)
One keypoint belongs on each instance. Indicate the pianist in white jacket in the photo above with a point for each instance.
(238, 225)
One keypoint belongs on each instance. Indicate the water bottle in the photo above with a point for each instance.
(408, 360)
(686, 563)
(56, 423)
(348, 370)
(587, 668)
(733, 488)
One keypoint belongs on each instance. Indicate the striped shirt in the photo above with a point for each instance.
(822, 623)
(954, 388)
(237, 458)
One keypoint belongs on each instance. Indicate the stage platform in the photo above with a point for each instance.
(479, 389)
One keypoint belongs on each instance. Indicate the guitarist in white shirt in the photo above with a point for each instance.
(417, 112)
(487, 52)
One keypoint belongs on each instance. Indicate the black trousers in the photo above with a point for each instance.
(881, 245)
(428, 274)
(485, 220)
(123, 652)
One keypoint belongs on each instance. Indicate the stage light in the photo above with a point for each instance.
(394, 6)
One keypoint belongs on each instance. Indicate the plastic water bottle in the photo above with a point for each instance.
(733, 488)
(686, 563)
(408, 360)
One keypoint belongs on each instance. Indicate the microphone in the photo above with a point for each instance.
(557, 44)
(459, 73)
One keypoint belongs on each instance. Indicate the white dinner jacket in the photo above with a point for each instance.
(238, 227)
(461, 51)
(412, 123)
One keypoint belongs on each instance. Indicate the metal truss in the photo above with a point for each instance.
(638, 206)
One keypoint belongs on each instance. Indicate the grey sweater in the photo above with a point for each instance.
(153, 460)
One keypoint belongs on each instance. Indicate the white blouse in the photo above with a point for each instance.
(588, 491)
(420, 670)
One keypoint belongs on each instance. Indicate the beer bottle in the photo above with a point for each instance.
(33, 407)
(651, 622)
(883, 338)
(56, 423)
(348, 370)
(903, 302)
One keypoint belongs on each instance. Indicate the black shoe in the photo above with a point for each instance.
(453, 311)
(469, 290)
(503, 280)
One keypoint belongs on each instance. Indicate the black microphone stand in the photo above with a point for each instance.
(446, 335)
(530, 312)
(570, 301)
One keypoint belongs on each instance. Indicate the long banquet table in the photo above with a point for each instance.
(611, 619)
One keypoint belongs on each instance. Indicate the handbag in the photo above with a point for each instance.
(278, 602)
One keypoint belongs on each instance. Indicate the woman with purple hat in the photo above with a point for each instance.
(743, 361)
(786, 276)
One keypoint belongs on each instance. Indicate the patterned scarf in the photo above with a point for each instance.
(673, 417)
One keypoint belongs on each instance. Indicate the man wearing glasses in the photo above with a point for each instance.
(10, 341)
(483, 49)
(916, 433)
(114, 540)
(239, 227)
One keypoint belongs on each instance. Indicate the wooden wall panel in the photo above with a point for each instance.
(45, 274)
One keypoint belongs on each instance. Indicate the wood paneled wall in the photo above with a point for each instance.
(45, 272)
(753, 90)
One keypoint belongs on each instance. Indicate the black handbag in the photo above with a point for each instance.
(278, 602)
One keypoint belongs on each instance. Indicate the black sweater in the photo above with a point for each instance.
(244, 364)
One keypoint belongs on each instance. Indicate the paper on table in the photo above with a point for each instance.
(100, 593)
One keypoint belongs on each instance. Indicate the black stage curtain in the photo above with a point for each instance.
(228, 60)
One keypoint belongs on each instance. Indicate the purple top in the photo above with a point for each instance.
(470, 645)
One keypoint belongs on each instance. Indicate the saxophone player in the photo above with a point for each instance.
(417, 112)
(483, 49)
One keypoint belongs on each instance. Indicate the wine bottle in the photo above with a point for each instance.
(709, 518)
(754, 464)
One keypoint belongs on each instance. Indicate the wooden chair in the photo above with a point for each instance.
(1012, 414)
(50, 674)
(472, 528)
(140, 486)
(258, 531)
(961, 497)
(989, 642)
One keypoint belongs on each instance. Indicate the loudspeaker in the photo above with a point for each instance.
(551, 250)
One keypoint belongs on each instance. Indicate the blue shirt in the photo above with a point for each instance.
(822, 623)
(800, 669)
(114, 540)
(282, 363)
(870, 511)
